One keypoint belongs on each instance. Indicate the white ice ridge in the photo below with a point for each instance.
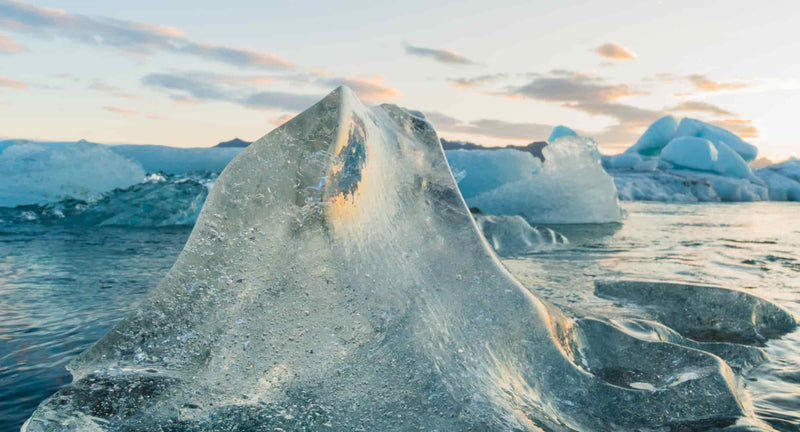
(335, 280)
(37, 174)
(570, 186)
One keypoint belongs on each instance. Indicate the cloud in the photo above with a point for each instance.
(743, 128)
(368, 89)
(127, 36)
(568, 86)
(615, 52)
(188, 86)
(120, 110)
(10, 83)
(491, 127)
(468, 83)
(595, 96)
(703, 83)
(103, 87)
(193, 88)
(440, 55)
(280, 100)
(701, 107)
(277, 121)
(10, 46)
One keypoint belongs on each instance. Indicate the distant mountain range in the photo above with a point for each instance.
(236, 142)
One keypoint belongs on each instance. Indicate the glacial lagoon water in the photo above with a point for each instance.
(63, 287)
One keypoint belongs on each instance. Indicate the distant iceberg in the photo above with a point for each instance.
(177, 160)
(783, 180)
(335, 280)
(570, 186)
(691, 161)
(561, 131)
(37, 174)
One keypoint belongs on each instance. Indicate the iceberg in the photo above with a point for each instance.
(782, 179)
(37, 174)
(690, 152)
(656, 137)
(690, 127)
(678, 185)
(335, 280)
(176, 160)
(569, 187)
(659, 134)
(561, 131)
(687, 162)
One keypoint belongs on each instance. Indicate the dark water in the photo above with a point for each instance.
(62, 287)
(750, 246)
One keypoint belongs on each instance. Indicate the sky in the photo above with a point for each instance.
(194, 73)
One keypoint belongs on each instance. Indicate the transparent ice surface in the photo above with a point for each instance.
(335, 280)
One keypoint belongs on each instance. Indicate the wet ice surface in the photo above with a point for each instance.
(754, 247)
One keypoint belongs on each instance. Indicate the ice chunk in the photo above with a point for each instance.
(730, 163)
(703, 155)
(691, 152)
(690, 127)
(335, 280)
(481, 171)
(512, 235)
(569, 187)
(38, 174)
(686, 186)
(705, 312)
(781, 188)
(789, 168)
(176, 160)
(656, 137)
(561, 131)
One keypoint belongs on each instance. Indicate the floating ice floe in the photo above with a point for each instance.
(512, 235)
(570, 186)
(36, 174)
(335, 280)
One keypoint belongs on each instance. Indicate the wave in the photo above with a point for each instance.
(161, 200)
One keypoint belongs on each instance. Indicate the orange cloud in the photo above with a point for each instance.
(615, 52)
(697, 106)
(8, 82)
(703, 83)
(120, 110)
(368, 88)
(277, 121)
(10, 46)
(743, 128)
